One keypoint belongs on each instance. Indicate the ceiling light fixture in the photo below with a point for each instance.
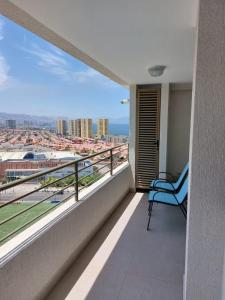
(156, 71)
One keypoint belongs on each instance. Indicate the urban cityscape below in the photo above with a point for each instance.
(52, 164)
(28, 147)
(62, 128)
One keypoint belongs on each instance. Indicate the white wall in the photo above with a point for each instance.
(175, 118)
(31, 273)
(164, 113)
(206, 204)
(132, 134)
(178, 129)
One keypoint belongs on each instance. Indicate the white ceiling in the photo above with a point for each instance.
(125, 36)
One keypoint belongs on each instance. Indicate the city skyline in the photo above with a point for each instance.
(82, 127)
(73, 127)
(52, 83)
(37, 118)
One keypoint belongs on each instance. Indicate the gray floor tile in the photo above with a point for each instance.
(142, 265)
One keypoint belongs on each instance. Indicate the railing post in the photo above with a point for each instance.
(76, 182)
(111, 162)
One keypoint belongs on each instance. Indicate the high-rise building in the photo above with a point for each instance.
(11, 124)
(75, 127)
(27, 124)
(78, 127)
(71, 127)
(116, 139)
(102, 127)
(61, 127)
(86, 128)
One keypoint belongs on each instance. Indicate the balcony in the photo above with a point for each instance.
(124, 261)
(96, 246)
(38, 192)
(41, 249)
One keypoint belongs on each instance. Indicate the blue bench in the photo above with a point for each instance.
(169, 198)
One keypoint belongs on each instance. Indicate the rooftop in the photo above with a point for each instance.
(51, 155)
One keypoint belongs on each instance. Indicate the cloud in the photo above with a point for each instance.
(54, 61)
(1, 29)
(92, 75)
(5, 79)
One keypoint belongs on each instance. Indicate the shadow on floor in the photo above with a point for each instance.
(124, 261)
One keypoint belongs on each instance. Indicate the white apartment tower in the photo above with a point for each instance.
(61, 127)
(86, 128)
(75, 127)
(102, 127)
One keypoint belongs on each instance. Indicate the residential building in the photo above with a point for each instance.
(75, 127)
(61, 127)
(171, 56)
(11, 124)
(71, 127)
(102, 127)
(86, 128)
(27, 124)
(116, 139)
(16, 173)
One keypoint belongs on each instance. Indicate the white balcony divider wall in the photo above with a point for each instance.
(175, 115)
(204, 274)
(179, 127)
(163, 142)
(132, 133)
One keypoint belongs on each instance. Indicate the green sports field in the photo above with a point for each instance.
(20, 220)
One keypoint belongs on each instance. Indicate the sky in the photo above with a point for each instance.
(39, 79)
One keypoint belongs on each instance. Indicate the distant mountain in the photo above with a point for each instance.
(47, 119)
(20, 117)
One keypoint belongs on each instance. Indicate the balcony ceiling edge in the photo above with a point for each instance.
(24, 19)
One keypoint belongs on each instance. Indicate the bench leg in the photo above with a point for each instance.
(184, 212)
(149, 214)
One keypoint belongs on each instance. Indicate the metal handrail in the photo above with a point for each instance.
(35, 218)
(79, 180)
(93, 181)
(50, 170)
(50, 184)
(111, 162)
(37, 203)
(34, 191)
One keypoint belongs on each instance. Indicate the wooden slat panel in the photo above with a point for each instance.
(148, 112)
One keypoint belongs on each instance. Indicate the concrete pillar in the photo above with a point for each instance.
(132, 134)
(165, 90)
(206, 205)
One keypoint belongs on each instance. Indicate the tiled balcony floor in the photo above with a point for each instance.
(125, 262)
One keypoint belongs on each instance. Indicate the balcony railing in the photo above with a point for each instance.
(50, 188)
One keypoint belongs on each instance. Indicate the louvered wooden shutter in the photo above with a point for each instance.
(148, 116)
